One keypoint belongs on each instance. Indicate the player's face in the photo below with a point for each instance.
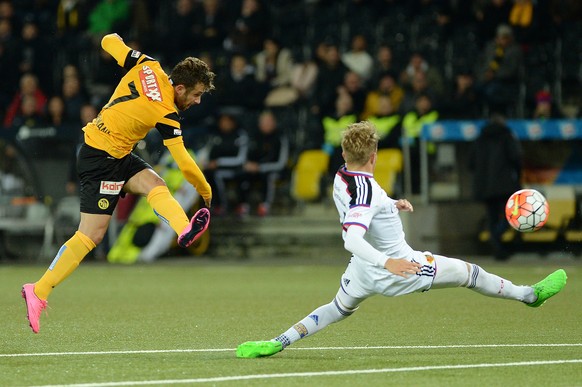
(184, 98)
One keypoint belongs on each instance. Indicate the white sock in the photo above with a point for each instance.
(494, 286)
(314, 322)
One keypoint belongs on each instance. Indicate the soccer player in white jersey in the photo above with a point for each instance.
(382, 262)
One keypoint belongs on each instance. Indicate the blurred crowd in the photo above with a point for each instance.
(292, 74)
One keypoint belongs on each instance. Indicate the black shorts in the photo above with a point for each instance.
(102, 176)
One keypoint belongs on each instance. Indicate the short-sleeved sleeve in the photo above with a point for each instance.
(359, 216)
(169, 126)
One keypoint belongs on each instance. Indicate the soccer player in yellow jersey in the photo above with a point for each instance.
(145, 98)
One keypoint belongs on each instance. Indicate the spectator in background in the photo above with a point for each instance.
(55, 109)
(352, 85)
(273, 70)
(496, 165)
(419, 86)
(29, 115)
(28, 87)
(521, 20)
(180, 33)
(237, 89)
(267, 158)
(109, 16)
(251, 27)
(417, 64)
(71, 24)
(358, 60)
(333, 126)
(462, 102)
(387, 122)
(412, 123)
(498, 71)
(545, 108)
(35, 55)
(104, 77)
(210, 26)
(386, 87)
(384, 63)
(303, 77)
(7, 13)
(330, 75)
(9, 78)
(74, 99)
(228, 148)
(490, 16)
(6, 32)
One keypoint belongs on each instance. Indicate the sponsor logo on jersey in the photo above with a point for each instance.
(101, 125)
(103, 203)
(149, 84)
(111, 187)
(135, 54)
(354, 215)
(177, 132)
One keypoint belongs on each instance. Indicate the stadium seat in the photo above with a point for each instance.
(388, 166)
(311, 166)
(562, 201)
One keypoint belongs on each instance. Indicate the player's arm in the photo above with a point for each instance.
(357, 245)
(125, 56)
(189, 168)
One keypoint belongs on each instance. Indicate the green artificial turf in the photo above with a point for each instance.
(213, 307)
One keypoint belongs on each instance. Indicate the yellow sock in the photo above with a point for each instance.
(168, 209)
(66, 261)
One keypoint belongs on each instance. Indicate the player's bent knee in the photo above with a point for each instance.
(452, 272)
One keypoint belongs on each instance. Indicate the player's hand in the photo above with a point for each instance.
(208, 202)
(404, 205)
(402, 267)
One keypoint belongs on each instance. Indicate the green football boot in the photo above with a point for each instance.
(548, 287)
(252, 349)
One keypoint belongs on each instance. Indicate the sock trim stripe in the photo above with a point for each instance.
(339, 308)
(474, 276)
(88, 242)
(284, 340)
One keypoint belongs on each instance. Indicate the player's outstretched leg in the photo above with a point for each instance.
(341, 307)
(198, 224)
(549, 287)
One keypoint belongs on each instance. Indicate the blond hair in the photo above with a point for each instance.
(359, 141)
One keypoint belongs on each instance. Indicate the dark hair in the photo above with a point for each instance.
(192, 71)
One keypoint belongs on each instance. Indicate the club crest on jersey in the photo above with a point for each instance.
(111, 187)
(149, 84)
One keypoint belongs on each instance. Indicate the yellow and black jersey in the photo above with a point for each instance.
(144, 99)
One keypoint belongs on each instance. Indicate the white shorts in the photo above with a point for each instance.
(362, 279)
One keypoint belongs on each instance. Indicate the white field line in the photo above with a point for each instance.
(150, 351)
(321, 373)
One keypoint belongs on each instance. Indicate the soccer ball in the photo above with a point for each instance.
(527, 210)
